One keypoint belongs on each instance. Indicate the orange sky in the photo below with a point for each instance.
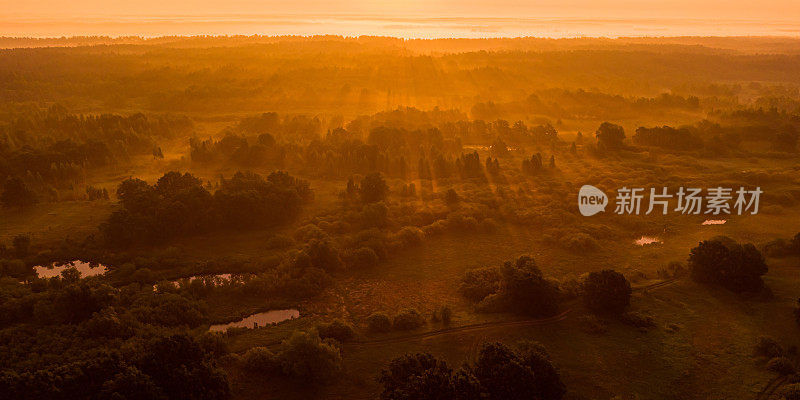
(702, 9)
(401, 18)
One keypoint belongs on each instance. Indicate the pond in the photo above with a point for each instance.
(714, 222)
(645, 240)
(259, 319)
(84, 268)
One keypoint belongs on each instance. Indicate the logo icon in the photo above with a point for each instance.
(591, 200)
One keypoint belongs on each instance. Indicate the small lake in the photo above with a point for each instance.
(84, 268)
(714, 222)
(258, 319)
(645, 240)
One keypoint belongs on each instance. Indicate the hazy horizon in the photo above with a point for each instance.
(410, 19)
(398, 26)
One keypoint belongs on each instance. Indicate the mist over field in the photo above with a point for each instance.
(349, 206)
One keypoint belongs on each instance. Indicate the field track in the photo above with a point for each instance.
(489, 325)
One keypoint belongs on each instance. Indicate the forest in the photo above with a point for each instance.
(334, 217)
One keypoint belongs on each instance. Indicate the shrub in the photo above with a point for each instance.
(721, 261)
(373, 188)
(379, 322)
(435, 228)
(781, 365)
(306, 357)
(499, 372)
(308, 232)
(606, 292)
(407, 320)
(768, 347)
(362, 258)
(410, 236)
(492, 303)
(524, 289)
(461, 223)
(638, 320)
(446, 314)
(337, 330)
(417, 376)
(451, 197)
(582, 242)
(443, 314)
(480, 282)
(261, 360)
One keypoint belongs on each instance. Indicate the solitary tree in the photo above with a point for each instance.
(373, 188)
(610, 136)
(607, 292)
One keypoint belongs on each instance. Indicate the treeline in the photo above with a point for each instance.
(406, 143)
(354, 75)
(179, 204)
(54, 149)
(577, 104)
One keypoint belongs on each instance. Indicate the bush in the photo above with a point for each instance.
(308, 232)
(410, 236)
(407, 320)
(261, 360)
(337, 330)
(722, 261)
(582, 242)
(446, 314)
(373, 188)
(480, 282)
(499, 372)
(781, 365)
(379, 322)
(306, 357)
(606, 292)
(443, 314)
(362, 258)
(768, 347)
(518, 287)
(524, 289)
(638, 320)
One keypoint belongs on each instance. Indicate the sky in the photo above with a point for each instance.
(412, 17)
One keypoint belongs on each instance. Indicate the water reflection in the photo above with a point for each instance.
(259, 319)
(645, 240)
(85, 268)
(216, 280)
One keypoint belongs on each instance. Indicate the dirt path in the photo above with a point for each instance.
(487, 325)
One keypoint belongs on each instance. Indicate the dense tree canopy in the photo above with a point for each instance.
(606, 292)
(499, 373)
(180, 205)
(722, 261)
